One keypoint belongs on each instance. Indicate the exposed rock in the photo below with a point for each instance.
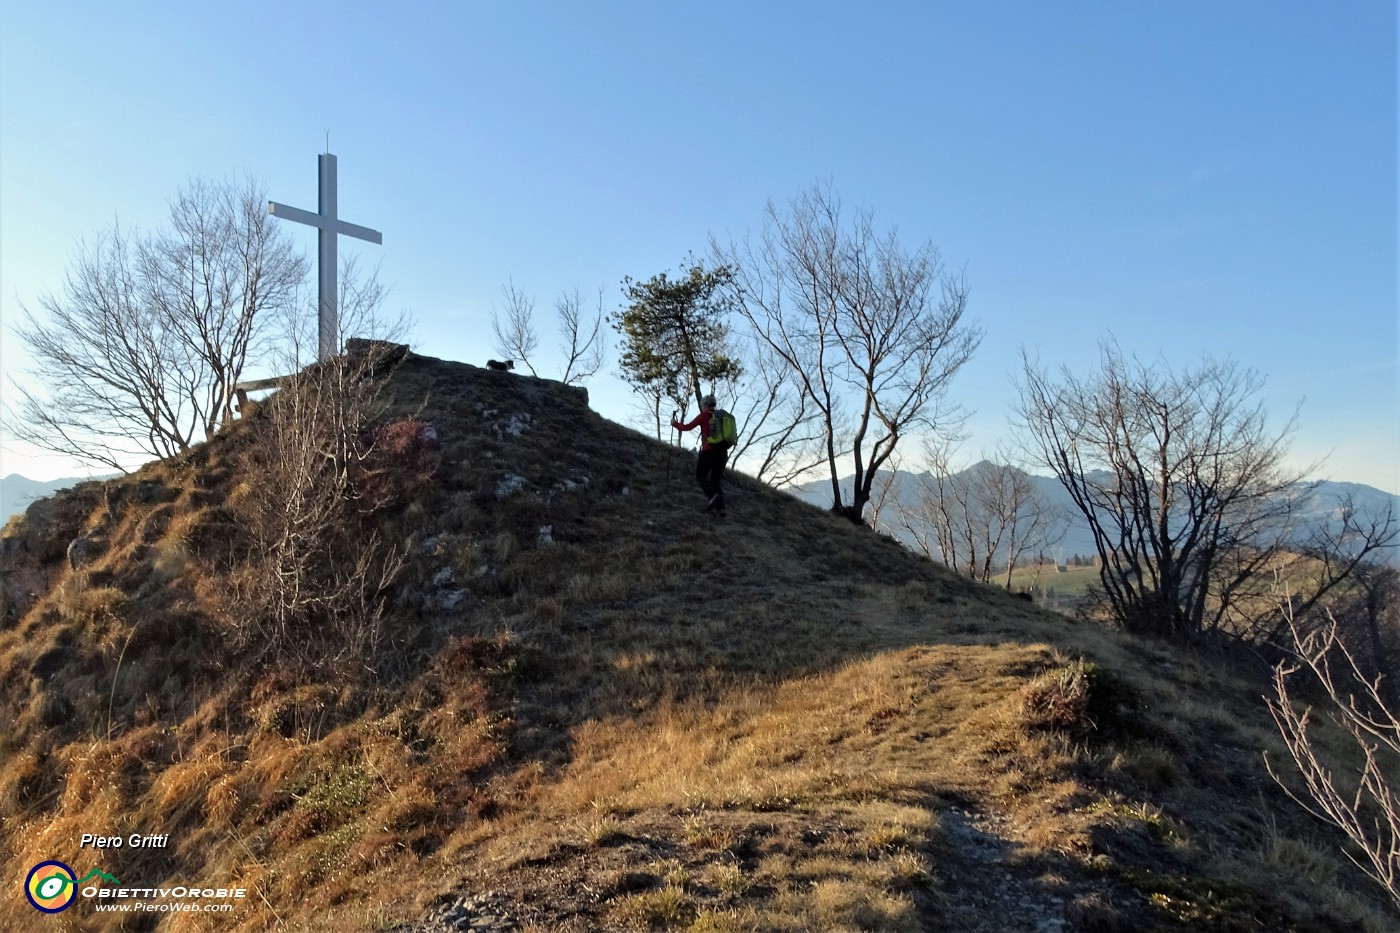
(509, 486)
(85, 549)
(383, 353)
(516, 426)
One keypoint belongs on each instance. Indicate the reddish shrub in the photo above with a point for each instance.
(401, 455)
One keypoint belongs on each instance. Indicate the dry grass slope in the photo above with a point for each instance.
(641, 718)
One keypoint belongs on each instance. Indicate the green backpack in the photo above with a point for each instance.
(724, 430)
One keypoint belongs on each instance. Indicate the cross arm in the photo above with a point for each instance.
(358, 232)
(295, 214)
(322, 222)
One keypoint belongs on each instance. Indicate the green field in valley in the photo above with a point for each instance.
(1052, 586)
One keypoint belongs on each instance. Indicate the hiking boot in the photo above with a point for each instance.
(716, 503)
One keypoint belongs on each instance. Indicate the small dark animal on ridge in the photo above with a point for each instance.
(498, 364)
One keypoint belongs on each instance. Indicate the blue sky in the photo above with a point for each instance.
(1195, 179)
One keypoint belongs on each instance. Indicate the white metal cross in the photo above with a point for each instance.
(329, 226)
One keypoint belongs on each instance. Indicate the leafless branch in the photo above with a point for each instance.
(1185, 489)
(309, 566)
(979, 519)
(140, 354)
(583, 349)
(851, 315)
(1362, 803)
(516, 338)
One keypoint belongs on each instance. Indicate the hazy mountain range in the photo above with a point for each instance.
(1313, 508)
(16, 492)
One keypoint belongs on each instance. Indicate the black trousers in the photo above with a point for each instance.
(709, 471)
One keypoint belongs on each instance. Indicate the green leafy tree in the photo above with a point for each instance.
(675, 336)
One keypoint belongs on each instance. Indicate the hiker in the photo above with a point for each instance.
(716, 437)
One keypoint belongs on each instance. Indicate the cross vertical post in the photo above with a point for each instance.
(328, 290)
(329, 227)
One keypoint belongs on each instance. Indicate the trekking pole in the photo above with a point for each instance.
(671, 448)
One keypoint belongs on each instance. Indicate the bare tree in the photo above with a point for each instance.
(979, 519)
(885, 493)
(516, 338)
(140, 355)
(582, 347)
(294, 339)
(1185, 490)
(581, 343)
(780, 439)
(310, 564)
(1375, 607)
(649, 409)
(1363, 803)
(313, 561)
(854, 316)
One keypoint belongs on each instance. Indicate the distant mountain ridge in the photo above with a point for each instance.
(17, 492)
(1312, 508)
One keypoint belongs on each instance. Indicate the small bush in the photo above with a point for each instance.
(603, 832)
(653, 910)
(1150, 767)
(1081, 699)
(94, 606)
(730, 879)
(887, 836)
(402, 456)
(222, 802)
(911, 870)
(703, 835)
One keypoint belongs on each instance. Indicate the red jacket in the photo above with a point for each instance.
(702, 421)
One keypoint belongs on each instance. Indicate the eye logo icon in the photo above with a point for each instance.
(50, 887)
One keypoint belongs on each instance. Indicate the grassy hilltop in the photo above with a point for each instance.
(590, 707)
